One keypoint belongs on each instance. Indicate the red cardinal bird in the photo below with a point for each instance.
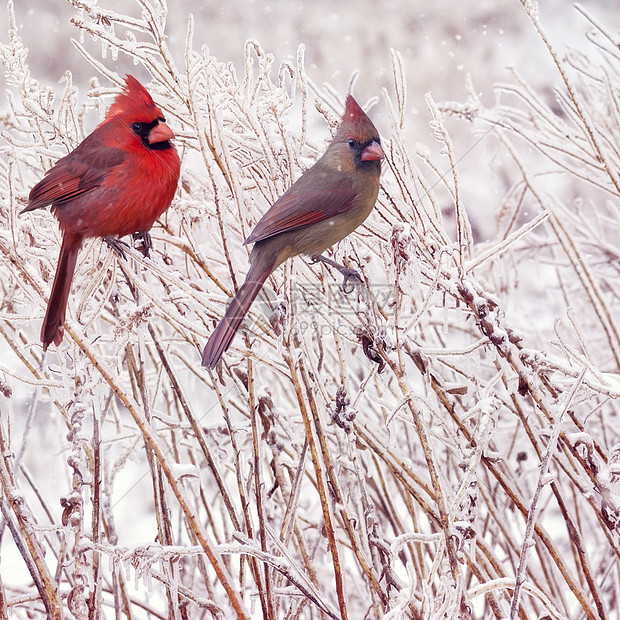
(323, 206)
(118, 181)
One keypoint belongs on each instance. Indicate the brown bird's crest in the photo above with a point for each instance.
(355, 120)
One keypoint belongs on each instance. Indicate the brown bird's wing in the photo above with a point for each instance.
(82, 170)
(302, 205)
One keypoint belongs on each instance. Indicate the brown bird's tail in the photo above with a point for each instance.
(53, 324)
(224, 333)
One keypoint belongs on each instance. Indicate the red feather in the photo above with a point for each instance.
(82, 170)
(118, 181)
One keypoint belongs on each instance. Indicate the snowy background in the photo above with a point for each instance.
(412, 452)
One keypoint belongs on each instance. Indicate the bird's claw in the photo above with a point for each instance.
(350, 274)
(347, 274)
(143, 242)
(117, 245)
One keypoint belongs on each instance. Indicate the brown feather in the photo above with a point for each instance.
(328, 202)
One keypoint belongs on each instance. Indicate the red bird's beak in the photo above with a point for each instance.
(160, 133)
(372, 152)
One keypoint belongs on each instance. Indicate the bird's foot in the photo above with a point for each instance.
(117, 245)
(143, 242)
(347, 274)
(350, 275)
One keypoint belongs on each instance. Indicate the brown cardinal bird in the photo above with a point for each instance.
(118, 181)
(323, 206)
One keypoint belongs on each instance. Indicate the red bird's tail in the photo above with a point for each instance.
(53, 324)
(224, 333)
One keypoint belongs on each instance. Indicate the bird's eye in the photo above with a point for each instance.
(351, 142)
(136, 127)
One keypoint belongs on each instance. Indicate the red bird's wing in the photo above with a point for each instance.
(82, 170)
(301, 206)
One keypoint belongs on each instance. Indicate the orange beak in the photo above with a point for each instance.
(160, 133)
(372, 152)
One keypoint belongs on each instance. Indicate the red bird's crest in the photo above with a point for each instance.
(134, 100)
